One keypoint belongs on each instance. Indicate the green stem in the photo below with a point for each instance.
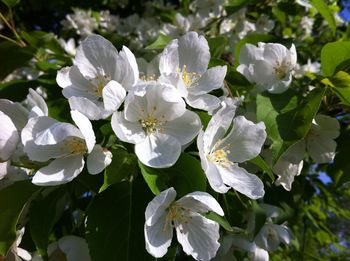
(10, 40)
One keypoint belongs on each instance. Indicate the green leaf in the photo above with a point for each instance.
(340, 85)
(326, 13)
(123, 165)
(12, 202)
(115, 222)
(335, 57)
(234, 5)
(16, 90)
(287, 117)
(13, 57)
(185, 176)
(44, 213)
(10, 3)
(159, 43)
(222, 221)
(261, 163)
(217, 46)
(253, 39)
(260, 217)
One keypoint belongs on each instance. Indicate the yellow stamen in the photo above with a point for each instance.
(76, 146)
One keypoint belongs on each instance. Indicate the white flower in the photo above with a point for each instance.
(69, 248)
(16, 253)
(264, 24)
(10, 174)
(289, 165)
(184, 63)
(96, 84)
(197, 234)
(271, 235)
(9, 137)
(220, 154)
(44, 139)
(82, 21)
(301, 70)
(155, 119)
(269, 65)
(68, 46)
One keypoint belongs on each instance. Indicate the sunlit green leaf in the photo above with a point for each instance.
(335, 57)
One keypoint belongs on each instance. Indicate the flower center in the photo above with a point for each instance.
(76, 146)
(282, 70)
(189, 78)
(176, 213)
(272, 235)
(219, 156)
(98, 83)
(148, 78)
(151, 125)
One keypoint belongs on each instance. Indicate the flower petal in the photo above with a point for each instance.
(245, 140)
(242, 181)
(158, 150)
(206, 102)
(184, 128)
(98, 159)
(94, 111)
(157, 207)
(169, 58)
(85, 127)
(59, 171)
(9, 137)
(198, 237)
(127, 131)
(75, 248)
(113, 96)
(193, 53)
(158, 237)
(212, 79)
(201, 202)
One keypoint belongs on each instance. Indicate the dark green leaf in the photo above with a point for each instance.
(44, 212)
(261, 163)
(185, 176)
(324, 10)
(16, 90)
(123, 165)
(115, 222)
(160, 43)
(10, 3)
(217, 46)
(234, 5)
(12, 202)
(340, 84)
(335, 57)
(222, 221)
(260, 217)
(13, 57)
(287, 117)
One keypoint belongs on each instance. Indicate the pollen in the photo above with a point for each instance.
(152, 125)
(76, 146)
(189, 78)
(282, 70)
(220, 156)
(98, 83)
(176, 214)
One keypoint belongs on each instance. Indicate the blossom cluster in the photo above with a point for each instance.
(179, 101)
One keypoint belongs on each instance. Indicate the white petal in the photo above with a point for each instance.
(198, 237)
(249, 54)
(113, 96)
(158, 150)
(206, 102)
(201, 202)
(59, 171)
(274, 53)
(36, 100)
(157, 207)
(75, 248)
(212, 79)
(98, 159)
(193, 52)
(9, 137)
(17, 113)
(270, 236)
(62, 78)
(242, 181)
(260, 254)
(56, 133)
(245, 140)
(218, 125)
(169, 58)
(131, 73)
(215, 179)
(158, 237)
(85, 127)
(95, 56)
(184, 128)
(94, 111)
(24, 254)
(127, 131)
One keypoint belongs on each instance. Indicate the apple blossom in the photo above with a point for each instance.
(184, 63)
(96, 84)
(44, 139)
(269, 65)
(155, 119)
(197, 234)
(221, 154)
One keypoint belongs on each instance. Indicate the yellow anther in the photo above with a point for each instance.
(189, 78)
(220, 156)
(76, 146)
(176, 213)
